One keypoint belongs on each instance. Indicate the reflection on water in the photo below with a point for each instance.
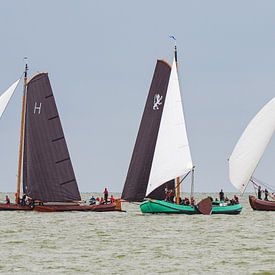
(89, 242)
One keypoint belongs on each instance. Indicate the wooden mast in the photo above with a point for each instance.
(17, 199)
(178, 178)
(192, 182)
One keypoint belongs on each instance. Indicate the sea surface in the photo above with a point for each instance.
(134, 243)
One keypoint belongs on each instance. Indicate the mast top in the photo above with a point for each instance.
(26, 66)
(175, 49)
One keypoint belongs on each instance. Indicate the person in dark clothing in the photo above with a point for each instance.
(106, 193)
(259, 193)
(172, 195)
(221, 195)
(30, 202)
(187, 202)
(23, 200)
(166, 191)
(92, 200)
(266, 194)
(8, 201)
(236, 199)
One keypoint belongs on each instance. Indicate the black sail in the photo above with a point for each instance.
(159, 193)
(142, 157)
(48, 173)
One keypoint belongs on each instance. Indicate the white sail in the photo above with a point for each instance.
(6, 96)
(172, 157)
(251, 146)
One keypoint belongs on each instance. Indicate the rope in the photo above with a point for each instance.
(263, 183)
(255, 185)
(183, 179)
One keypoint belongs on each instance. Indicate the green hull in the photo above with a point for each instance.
(157, 206)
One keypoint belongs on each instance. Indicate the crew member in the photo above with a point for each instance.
(23, 200)
(236, 199)
(112, 199)
(266, 194)
(92, 200)
(259, 192)
(8, 201)
(106, 193)
(221, 195)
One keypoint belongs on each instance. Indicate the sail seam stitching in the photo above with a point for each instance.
(59, 161)
(54, 140)
(67, 182)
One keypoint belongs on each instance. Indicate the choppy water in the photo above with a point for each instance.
(133, 243)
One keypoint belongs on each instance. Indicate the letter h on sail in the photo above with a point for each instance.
(37, 108)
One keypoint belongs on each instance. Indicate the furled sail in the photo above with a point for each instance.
(48, 173)
(251, 146)
(140, 166)
(6, 96)
(172, 157)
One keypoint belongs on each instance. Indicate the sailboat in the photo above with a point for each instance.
(48, 175)
(161, 159)
(248, 152)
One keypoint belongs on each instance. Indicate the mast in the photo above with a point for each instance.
(178, 178)
(17, 199)
(192, 182)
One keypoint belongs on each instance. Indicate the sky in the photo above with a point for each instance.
(101, 55)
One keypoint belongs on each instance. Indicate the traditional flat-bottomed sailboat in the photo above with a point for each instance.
(48, 175)
(162, 154)
(248, 152)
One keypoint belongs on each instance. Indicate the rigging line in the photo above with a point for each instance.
(183, 179)
(255, 185)
(263, 183)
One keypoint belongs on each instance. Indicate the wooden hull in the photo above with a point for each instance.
(63, 208)
(261, 205)
(14, 207)
(157, 206)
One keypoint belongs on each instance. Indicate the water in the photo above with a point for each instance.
(133, 243)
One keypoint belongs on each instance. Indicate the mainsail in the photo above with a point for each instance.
(172, 157)
(6, 96)
(140, 166)
(251, 146)
(161, 151)
(47, 169)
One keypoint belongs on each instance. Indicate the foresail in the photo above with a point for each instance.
(6, 96)
(141, 161)
(172, 157)
(47, 169)
(251, 146)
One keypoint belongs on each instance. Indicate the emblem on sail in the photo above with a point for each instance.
(157, 101)
(37, 107)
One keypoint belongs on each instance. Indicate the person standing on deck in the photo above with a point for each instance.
(166, 191)
(112, 199)
(106, 193)
(23, 200)
(259, 192)
(221, 195)
(266, 194)
(8, 201)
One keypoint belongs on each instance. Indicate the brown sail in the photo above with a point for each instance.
(142, 157)
(48, 173)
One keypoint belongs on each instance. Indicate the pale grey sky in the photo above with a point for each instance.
(100, 56)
